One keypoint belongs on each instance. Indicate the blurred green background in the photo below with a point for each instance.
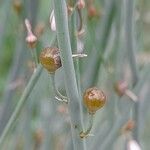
(43, 125)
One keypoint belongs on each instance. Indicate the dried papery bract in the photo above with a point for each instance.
(133, 145)
(50, 59)
(129, 126)
(52, 21)
(94, 99)
(31, 39)
(121, 88)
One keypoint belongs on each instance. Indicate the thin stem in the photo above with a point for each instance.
(20, 104)
(58, 95)
(80, 18)
(69, 72)
(130, 45)
(34, 56)
(73, 37)
(130, 38)
(85, 134)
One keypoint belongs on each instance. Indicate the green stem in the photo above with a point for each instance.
(130, 38)
(34, 56)
(20, 104)
(57, 94)
(69, 72)
(85, 134)
(130, 45)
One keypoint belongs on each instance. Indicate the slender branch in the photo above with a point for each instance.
(85, 134)
(34, 56)
(20, 104)
(57, 94)
(69, 72)
(130, 45)
(130, 38)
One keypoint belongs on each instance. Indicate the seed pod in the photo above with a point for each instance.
(94, 99)
(50, 59)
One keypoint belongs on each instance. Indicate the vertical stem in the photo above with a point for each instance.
(35, 57)
(130, 38)
(69, 72)
(57, 94)
(130, 45)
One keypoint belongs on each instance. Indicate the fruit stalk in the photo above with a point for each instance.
(69, 72)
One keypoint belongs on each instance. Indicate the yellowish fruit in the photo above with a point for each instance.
(50, 59)
(94, 99)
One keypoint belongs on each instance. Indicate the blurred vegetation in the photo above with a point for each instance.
(45, 124)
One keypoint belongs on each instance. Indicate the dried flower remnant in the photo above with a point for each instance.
(94, 99)
(92, 12)
(121, 88)
(69, 10)
(133, 145)
(129, 126)
(81, 4)
(31, 39)
(52, 21)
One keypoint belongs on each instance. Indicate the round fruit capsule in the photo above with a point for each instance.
(50, 59)
(94, 99)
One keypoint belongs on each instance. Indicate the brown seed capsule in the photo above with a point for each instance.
(50, 59)
(94, 99)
